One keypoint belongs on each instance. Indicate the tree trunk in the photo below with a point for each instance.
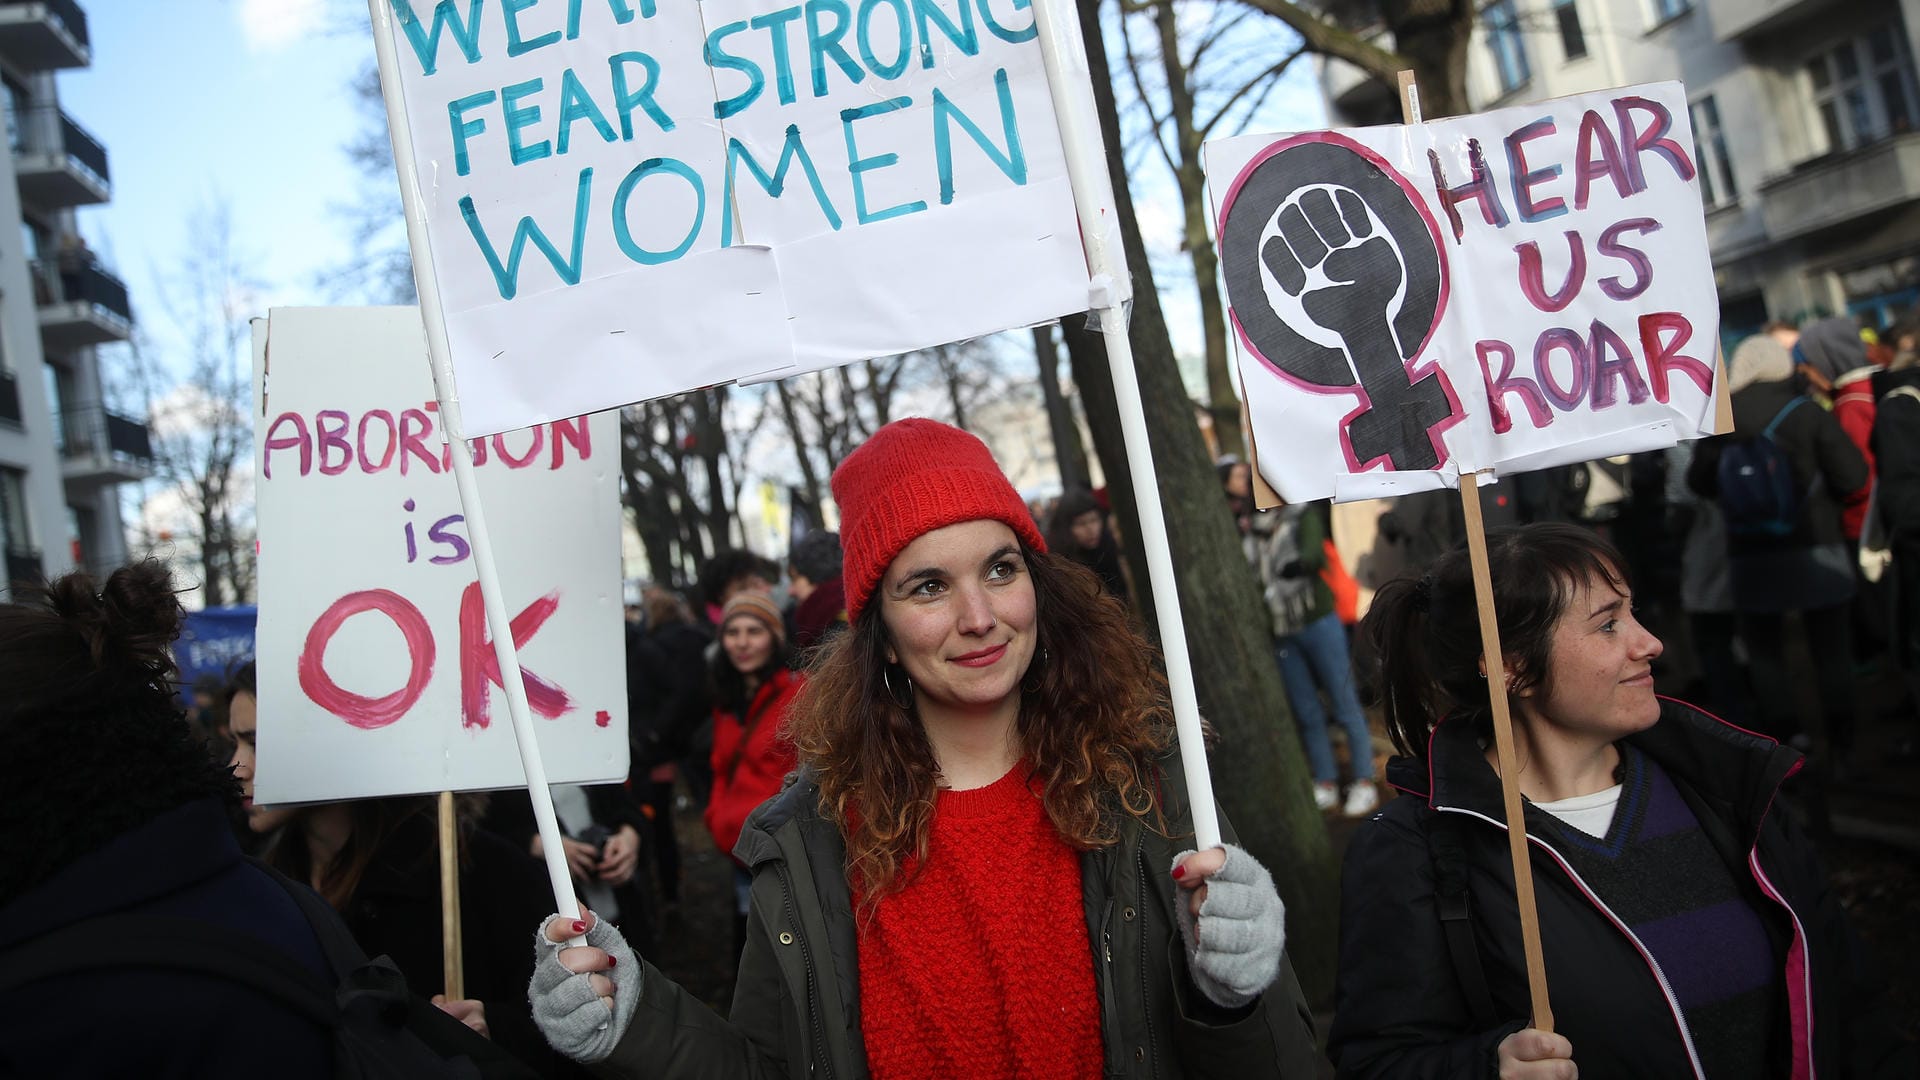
(809, 476)
(1260, 773)
(710, 442)
(1068, 452)
(1223, 399)
(1432, 36)
(1223, 404)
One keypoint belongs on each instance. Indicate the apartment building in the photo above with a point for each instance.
(1806, 121)
(63, 454)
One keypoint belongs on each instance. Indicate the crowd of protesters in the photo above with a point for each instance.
(937, 752)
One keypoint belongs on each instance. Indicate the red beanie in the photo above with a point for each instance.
(912, 477)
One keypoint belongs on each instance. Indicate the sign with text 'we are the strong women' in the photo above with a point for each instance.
(1506, 291)
(630, 198)
(377, 670)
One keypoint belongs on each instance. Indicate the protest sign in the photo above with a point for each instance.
(629, 198)
(1506, 291)
(376, 667)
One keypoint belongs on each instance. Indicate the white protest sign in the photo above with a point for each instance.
(1509, 291)
(630, 198)
(376, 668)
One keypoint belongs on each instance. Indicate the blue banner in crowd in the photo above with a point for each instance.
(215, 642)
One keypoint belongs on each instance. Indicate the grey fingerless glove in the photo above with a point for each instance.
(1234, 953)
(565, 1005)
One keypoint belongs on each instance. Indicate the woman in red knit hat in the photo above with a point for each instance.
(979, 870)
(753, 690)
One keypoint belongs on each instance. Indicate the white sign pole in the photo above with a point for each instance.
(498, 619)
(1064, 54)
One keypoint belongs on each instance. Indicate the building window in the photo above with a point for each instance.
(1717, 187)
(1669, 9)
(13, 511)
(1572, 38)
(1863, 88)
(1503, 37)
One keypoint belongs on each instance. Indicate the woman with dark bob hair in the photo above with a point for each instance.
(1689, 930)
(978, 870)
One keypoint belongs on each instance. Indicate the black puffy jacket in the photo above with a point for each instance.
(1402, 1012)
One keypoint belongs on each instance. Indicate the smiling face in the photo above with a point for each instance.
(958, 607)
(748, 643)
(243, 716)
(1600, 675)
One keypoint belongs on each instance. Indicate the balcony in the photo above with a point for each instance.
(81, 303)
(1837, 188)
(100, 447)
(1733, 20)
(10, 399)
(57, 163)
(44, 35)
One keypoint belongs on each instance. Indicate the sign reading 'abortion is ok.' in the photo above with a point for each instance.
(1507, 291)
(375, 662)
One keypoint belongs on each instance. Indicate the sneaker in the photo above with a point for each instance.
(1362, 799)
(1326, 796)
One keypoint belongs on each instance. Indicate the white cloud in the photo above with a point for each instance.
(270, 25)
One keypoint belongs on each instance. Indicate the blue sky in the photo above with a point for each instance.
(242, 101)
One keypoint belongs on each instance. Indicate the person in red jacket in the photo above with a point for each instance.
(1838, 363)
(753, 689)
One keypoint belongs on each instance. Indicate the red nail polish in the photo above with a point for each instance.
(579, 926)
(1180, 871)
(612, 960)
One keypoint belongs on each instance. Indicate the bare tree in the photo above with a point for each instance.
(1218, 64)
(1428, 37)
(825, 414)
(202, 428)
(380, 268)
(1068, 450)
(1262, 776)
(682, 471)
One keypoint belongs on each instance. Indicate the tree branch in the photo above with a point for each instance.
(1327, 39)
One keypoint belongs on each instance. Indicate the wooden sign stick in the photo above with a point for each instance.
(1496, 693)
(1503, 746)
(453, 973)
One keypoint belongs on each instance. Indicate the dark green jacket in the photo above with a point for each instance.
(796, 1006)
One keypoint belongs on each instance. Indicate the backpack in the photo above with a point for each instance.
(1758, 494)
(381, 1030)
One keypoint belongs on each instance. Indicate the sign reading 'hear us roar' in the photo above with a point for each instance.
(1507, 291)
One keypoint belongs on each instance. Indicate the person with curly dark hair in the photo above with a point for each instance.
(982, 867)
(114, 808)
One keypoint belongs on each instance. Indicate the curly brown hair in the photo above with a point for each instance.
(1093, 721)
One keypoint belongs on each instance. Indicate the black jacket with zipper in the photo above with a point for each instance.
(1402, 1012)
(796, 1006)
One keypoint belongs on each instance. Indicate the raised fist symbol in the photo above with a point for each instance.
(1337, 279)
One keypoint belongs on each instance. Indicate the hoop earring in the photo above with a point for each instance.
(1035, 672)
(886, 679)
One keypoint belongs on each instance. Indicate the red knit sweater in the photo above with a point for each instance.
(981, 967)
